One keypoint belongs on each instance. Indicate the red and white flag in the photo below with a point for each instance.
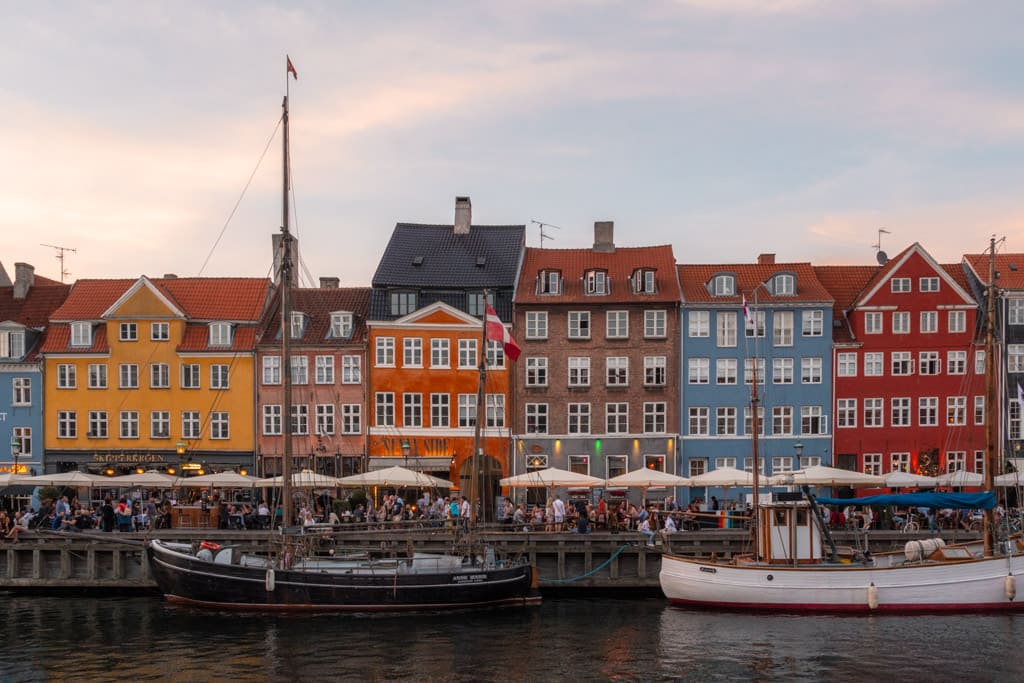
(496, 331)
(746, 310)
(291, 68)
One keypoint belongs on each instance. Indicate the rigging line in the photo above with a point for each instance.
(241, 196)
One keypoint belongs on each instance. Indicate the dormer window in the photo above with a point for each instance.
(724, 285)
(12, 344)
(476, 303)
(220, 334)
(341, 325)
(596, 282)
(784, 284)
(403, 303)
(81, 334)
(297, 324)
(644, 281)
(549, 282)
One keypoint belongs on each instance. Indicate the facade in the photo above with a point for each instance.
(596, 386)
(154, 373)
(25, 305)
(780, 315)
(909, 381)
(328, 361)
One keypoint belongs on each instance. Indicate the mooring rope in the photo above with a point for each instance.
(592, 571)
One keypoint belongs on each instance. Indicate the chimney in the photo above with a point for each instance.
(463, 215)
(766, 259)
(329, 282)
(170, 276)
(24, 278)
(604, 236)
(276, 240)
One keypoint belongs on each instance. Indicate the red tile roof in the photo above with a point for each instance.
(35, 309)
(956, 271)
(695, 277)
(844, 283)
(197, 338)
(58, 340)
(1009, 267)
(318, 304)
(619, 264)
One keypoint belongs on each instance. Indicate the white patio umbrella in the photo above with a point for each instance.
(820, 475)
(550, 478)
(724, 477)
(150, 478)
(645, 478)
(1010, 479)
(73, 478)
(227, 479)
(12, 479)
(899, 479)
(395, 476)
(306, 479)
(961, 478)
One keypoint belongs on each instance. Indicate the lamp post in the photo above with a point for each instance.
(15, 451)
(406, 447)
(798, 451)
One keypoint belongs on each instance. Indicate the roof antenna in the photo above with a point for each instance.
(60, 257)
(880, 255)
(544, 236)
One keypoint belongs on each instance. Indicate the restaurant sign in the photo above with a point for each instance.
(126, 457)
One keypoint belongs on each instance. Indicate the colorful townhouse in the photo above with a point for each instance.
(153, 373)
(597, 382)
(425, 343)
(770, 320)
(909, 380)
(328, 336)
(25, 306)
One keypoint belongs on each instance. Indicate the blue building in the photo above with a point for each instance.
(781, 315)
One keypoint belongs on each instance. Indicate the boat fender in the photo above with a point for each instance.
(873, 596)
(210, 545)
(269, 580)
(1010, 586)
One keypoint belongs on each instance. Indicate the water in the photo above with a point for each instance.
(144, 638)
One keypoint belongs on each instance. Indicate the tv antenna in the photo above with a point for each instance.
(60, 257)
(880, 255)
(543, 235)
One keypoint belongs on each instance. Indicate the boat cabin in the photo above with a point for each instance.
(789, 533)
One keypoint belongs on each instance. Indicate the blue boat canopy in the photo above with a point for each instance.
(964, 501)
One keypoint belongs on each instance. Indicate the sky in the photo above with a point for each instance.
(726, 128)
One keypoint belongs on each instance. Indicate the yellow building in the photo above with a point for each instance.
(153, 373)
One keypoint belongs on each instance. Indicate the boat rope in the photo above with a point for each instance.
(592, 571)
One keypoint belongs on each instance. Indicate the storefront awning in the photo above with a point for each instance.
(420, 463)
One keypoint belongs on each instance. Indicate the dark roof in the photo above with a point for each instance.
(318, 303)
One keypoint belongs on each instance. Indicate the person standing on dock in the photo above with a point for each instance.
(558, 510)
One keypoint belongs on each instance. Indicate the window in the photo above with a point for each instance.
(616, 465)
(220, 425)
(495, 354)
(725, 371)
(81, 334)
(1015, 357)
(272, 420)
(644, 281)
(341, 326)
(725, 326)
(725, 462)
(655, 418)
(300, 369)
(755, 325)
(160, 424)
(439, 353)
(812, 323)
(700, 324)
(900, 462)
(300, 419)
(784, 285)
(22, 391)
(537, 371)
(782, 371)
(616, 418)
(979, 462)
(699, 369)
(929, 363)
(385, 403)
(929, 322)
(873, 364)
(536, 418)
(271, 369)
(846, 364)
(956, 460)
(467, 353)
(324, 371)
(1014, 427)
(579, 418)
(782, 328)
(956, 362)
(927, 411)
(549, 282)
(220, 334)
(747, 426)
(385, 352)
(129, 424)
(579, 371)
(536, 325)
(66, 376)
(723, 285)
(579, 324)
(412, 352)
(873, 463)
(782, 421)
(128, 374)
(654, 324)
(351, 418)
(928, 284)
(655, 371)
(846, 413)
(351, 370)
(979, 410)
(749, 368)
(617, 371)
(403, 303)
(12, 343)
(957, 321)
(159, 376)
(900, 285)
(97, 424)
(699, 421)
(979, 362)
(873, 323)
(698, 466)
(440, 410)
(22, 436)
(297, 324)
(902, 363)
(159, 331)
(900, 412)
(190, 424)
(595, 282)
(128, 332)
(67, 424)
(810, 370)
(476, 305)
(412, 410)
(873, 412)
(901, 322)
(812, 421)
(617, 325)
(1015, 311)
(495, 407)
(467, 410)
(956, 410)
(219, 376)
(725, 421)
(189, 376)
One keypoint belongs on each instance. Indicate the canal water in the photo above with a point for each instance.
(642, 639)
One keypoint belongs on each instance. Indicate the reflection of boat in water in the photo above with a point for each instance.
(224, 577)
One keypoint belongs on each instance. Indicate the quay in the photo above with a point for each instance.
(606, 561)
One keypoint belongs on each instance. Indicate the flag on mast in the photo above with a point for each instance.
(496, 331)
(291, 68)
(1020, 395)
(746, 310)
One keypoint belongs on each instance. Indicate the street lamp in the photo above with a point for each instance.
(180, 447)
(406, 447)
(15, 451)
(798, 450)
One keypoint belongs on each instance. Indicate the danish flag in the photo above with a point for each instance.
(495, 330)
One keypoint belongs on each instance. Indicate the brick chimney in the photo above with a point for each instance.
(604, 236)
(463, 215)
(329, 282)
(24, 278)
(766, 260)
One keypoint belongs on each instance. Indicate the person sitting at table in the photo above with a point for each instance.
(668, 529)
(263, 516)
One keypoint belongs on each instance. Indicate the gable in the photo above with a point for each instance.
(142, 299)
(438, 313)
(913, 264)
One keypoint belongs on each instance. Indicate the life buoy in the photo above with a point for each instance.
(210, 545)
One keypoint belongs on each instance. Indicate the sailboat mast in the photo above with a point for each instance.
(991, 396)
(286, 365)
(481, 415)
(755, 428)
